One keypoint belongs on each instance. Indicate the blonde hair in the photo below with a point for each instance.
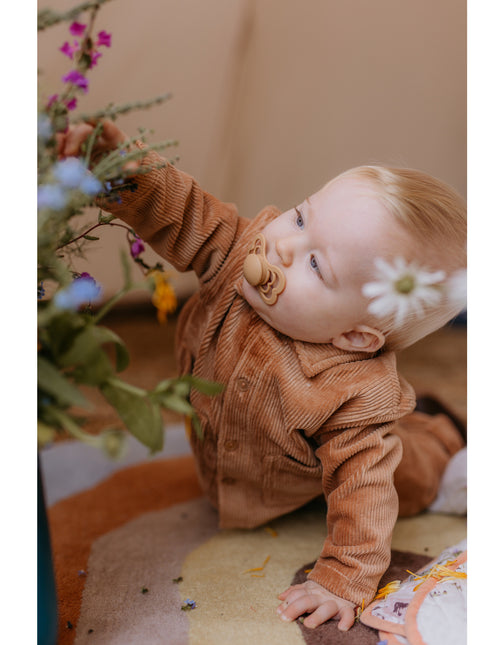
(434, 216)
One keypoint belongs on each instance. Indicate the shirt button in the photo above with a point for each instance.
(228, 480)
(230, 445)
(242, 384)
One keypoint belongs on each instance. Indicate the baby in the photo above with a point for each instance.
(290, 317)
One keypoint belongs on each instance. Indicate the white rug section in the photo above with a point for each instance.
(69, 467)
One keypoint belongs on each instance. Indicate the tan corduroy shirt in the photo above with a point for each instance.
(296, 419)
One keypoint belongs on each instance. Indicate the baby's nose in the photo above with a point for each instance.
(286, 248)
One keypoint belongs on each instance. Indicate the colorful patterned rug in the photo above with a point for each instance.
(139, 559)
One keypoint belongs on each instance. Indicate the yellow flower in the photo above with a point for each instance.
(389, 588)
(438, 572)
(163, 298)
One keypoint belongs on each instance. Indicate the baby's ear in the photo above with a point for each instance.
(360, 339)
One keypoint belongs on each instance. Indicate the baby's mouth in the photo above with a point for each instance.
(267, 278)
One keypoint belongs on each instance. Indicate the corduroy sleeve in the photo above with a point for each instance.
(169, 210)
(358, 469)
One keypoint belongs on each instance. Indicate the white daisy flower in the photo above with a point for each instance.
(402, 288)
(457, 288)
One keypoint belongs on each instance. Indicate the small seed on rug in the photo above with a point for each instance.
(177, 580)
(145, 590)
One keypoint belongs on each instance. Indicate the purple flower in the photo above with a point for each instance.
(77, 28)
(104, 38)
(136, 247)
(83, 290)
(94, 59)
(51, 196)
(52, 99)
(71, 104)
(69, 50)
(76, 78)
(40, 291)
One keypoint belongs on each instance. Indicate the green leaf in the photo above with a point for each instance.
(91, 238)
(173, 386)
(105, 335)
(52, 381)
(202, 385)
(175, 403)
(105, 219)
(139, 414)
(91, 362)
(196, 423)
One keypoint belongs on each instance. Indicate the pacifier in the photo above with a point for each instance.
(267, 278)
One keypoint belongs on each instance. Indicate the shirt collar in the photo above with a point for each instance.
(317, 357)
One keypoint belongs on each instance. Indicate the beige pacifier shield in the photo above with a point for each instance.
(267, 278)
(254, 271)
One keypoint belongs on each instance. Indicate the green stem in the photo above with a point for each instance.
(127, 387)
(48, 18)
(90, 143)
(123, 109)
(70, 426)
(79, 237)
(112, 302)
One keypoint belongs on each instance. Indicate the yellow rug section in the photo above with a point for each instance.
(238, 606)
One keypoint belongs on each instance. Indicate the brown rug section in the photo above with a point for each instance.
(359, 634)
(78, 521)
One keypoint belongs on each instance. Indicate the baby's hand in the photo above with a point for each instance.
(71, 142)
(311, 597)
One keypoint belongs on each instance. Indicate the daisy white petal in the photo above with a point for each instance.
(373, 289)
(384, 305)
(457, 288)
(403, 306)
(427, 278)
(384, 270)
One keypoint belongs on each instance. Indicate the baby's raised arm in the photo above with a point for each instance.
(72, 142)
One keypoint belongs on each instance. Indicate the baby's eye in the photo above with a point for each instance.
(314, 264)
(299, 218)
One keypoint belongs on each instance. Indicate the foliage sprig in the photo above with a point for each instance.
(74, 350)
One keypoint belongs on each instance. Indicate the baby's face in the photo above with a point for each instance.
(325, 248)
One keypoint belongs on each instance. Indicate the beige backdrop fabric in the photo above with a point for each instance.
(272, 99)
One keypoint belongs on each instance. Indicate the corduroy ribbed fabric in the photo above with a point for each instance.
(296, 419)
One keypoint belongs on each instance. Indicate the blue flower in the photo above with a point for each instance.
(81, 291)
(90, 185)
(70, 172)
(51, 196)
(44, 127)
(73, 175)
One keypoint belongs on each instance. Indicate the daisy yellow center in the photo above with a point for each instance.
(405, 284)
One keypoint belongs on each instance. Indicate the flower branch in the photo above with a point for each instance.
(73, 349)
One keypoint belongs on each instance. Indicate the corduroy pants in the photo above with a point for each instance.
(428, 443)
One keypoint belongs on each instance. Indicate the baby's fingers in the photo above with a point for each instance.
(294, 607)
(330, 610)
(70, 143)
(324, 612)
(287, 592)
